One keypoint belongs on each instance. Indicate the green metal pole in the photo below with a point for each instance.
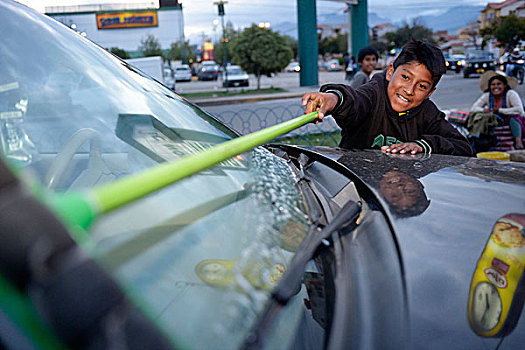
(80, 209)
(359, 24)
(308, 46)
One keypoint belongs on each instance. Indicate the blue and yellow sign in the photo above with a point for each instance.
(127, 20)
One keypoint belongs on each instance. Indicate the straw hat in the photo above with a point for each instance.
(485, 78)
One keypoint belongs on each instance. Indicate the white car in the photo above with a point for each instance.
(334, 66)
(235, 76)
(182, 73)
(293, 67)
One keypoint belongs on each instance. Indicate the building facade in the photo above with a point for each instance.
(379, 31)
(124, 25)
(494, 11)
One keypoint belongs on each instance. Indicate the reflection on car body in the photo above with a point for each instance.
(280, 247)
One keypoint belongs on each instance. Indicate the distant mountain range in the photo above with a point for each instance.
(451, 20)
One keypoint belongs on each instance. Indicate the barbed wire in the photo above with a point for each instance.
(246, 121)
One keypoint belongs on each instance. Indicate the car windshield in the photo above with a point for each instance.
(480, 55)
(202, 254)
(235, 71)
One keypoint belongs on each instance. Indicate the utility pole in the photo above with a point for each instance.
(220, 7)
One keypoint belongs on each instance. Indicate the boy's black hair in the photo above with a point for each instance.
(369, 50)
(424, 53)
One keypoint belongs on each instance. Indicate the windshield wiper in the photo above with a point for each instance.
(291, 281)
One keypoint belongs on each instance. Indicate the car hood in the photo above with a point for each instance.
(443, 237)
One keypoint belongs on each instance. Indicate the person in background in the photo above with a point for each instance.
(500, 98)
(512, 62)
(367, 60)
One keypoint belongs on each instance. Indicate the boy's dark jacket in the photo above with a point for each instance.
(368, 121)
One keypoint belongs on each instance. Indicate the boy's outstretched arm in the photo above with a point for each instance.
(322, 101)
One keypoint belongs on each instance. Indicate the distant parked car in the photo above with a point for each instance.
(478, 62)
(334, 66)
(169, 79)
(182, 73)
(460, 60)
(235, 77)
(208, 72)
(454, 62)
(293, 67)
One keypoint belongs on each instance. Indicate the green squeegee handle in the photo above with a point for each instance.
(80, 209)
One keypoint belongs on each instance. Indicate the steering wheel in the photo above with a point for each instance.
(60, 164)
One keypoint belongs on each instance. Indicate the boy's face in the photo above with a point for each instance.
(369, 64)
(408, 85)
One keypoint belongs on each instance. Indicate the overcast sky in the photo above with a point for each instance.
(199, 14)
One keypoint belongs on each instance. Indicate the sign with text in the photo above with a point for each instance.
(127, 20)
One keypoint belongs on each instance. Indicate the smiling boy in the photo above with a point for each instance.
(393, 111)
(367, 60)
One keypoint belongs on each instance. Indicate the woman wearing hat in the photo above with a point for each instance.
(499, 98)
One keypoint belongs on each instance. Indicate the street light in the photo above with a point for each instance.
(220, 7)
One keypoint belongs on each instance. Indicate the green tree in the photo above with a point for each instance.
(380, 46)
(508, 31)
(261, 51)
(219, 52)
(150, 46)
(181, 51)
(416, 31)
(119, 52)
(337, 44)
